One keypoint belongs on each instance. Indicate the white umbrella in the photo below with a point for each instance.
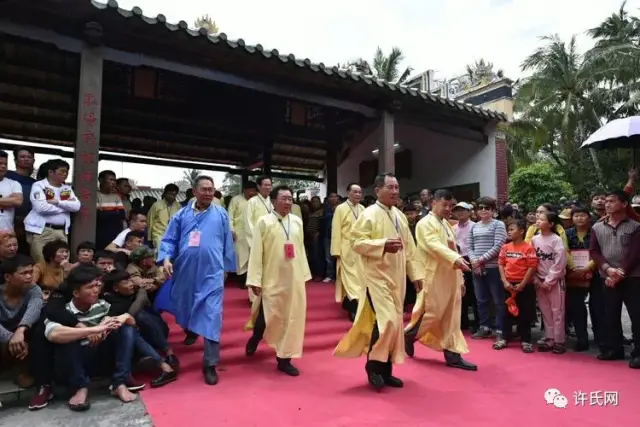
(619, 133)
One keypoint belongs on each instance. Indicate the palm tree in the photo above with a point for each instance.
(207, 23)
(383, 67)
(618, 44)
(190, 176)
(558, 96)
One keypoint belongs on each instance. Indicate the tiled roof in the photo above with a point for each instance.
(334, 72)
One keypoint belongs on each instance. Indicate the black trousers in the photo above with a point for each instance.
(597, 310)
(626, 291)
(410, 295)
(259, 327)
(469, 300)
(526, 302)
(577, 309)
(351, 306)
(375, 366)
(40, 358)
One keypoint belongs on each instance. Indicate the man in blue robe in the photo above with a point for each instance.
(196, 252)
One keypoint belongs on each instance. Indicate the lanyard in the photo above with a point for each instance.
(353, 211)
(446, 229)
(396, 224)
(287, 230)
(264, 204)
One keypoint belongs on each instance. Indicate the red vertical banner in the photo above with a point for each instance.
(87, 146)
(502, 168)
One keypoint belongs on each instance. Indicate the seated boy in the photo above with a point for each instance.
(125, 297)
(22, 340)
(104, 261)
(147, 275)
(79, 359)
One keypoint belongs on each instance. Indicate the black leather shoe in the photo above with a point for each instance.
(190, 338)
(164, 379)
(408, 345)
(612, 355)
(376, 380)
(394, 382)
(252, 346)
(173, 362)
(288, 368)
(581, 346)
(635, 362)
(454, 360)
(210, 375)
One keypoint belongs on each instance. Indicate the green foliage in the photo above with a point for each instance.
(538, 183)
(569, 95)
(384, 67)
(232, 184)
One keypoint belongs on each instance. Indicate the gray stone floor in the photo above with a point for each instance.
(106, 411)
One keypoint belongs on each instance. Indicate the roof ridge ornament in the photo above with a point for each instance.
(93, 34)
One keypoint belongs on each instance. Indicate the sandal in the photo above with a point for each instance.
(527, 347)
(80, 407)
(545, 345)
(558, 349)
(499, 345)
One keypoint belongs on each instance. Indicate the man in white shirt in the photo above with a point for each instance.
(52, 202)
(137, 222)
(10, 195)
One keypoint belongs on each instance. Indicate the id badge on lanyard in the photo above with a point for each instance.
(194, 239)
(289, 249)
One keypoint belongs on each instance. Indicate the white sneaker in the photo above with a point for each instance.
(327, 280)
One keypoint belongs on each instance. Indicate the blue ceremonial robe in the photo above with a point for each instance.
(198, 272)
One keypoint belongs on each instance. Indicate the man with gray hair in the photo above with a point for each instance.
(197, 251)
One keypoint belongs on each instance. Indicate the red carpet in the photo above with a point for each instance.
(507, 390)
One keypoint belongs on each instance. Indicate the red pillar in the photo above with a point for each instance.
(502, 172)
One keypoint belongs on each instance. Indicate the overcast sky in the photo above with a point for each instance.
(443, 35)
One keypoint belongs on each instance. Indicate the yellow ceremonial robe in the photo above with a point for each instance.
(295, 209)
(384, 280)
(158, 219)
(257, 207)
(348, 278)
(237, 209)
(284, 296)
(437, 310)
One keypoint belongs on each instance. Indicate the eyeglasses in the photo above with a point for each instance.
(484, 208)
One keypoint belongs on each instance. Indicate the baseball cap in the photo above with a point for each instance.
(463, 205)
(635, 202)
(141, 252)
(565, 214)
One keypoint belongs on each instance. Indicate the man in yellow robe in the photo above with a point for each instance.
(278, 270)
(381, 236)
(295, 209)
(237, 211)
(435, 320)
(161, 213)
(257, 207)
(348, 278)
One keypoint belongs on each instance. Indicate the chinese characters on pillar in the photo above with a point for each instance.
(87, 153)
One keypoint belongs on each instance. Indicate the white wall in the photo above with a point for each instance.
(437, 161)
